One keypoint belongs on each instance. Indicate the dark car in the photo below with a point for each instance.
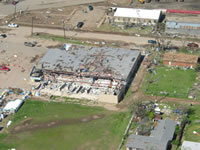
(29, 44)
(80, 24)
(194, 45)
(3, 35)
(152, 41)
(90, 7)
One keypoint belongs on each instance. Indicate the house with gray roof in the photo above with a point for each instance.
(160, 137)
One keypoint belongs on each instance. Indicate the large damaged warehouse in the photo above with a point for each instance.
(95, 73)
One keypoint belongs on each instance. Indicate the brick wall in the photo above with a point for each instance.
(181, 64)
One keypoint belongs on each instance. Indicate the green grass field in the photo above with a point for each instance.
(176, 82)
(193, 126)
(99, 134)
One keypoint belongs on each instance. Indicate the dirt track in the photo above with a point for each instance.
(27, 124)
(97, 36)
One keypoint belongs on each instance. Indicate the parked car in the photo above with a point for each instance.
(30, 44)
(4, 68)
(3, 35)
(152, 41)
(90, 7)
(12, 25)
(194, 45)
(137, 35)
(14, 2)
(80, 24)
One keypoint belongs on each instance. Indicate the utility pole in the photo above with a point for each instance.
(64, 28)
(15, 8)
(32, 26)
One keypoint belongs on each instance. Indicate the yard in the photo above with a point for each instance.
(193, 126)
(50, 125)
(172, 82)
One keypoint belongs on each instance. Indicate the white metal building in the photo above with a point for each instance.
(138, 16)
(13, 106)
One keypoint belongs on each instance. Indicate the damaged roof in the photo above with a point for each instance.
(106, 62)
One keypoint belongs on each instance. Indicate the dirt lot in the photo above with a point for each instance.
(19, 58)
(70, 15)
(183, 17)
(41, 4)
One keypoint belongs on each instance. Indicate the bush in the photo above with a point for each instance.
(178, 130)
(150, 115)
(175, 142)
(197, 68)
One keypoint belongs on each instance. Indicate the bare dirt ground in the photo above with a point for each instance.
(27, 124)
(138, 41)
(41, 4)
(19, 58)
(119, 2)
(183, 17)
(64, 16)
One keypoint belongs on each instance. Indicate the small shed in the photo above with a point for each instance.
(180, 60)
(183, 28)
(13, 106)
(188, 145)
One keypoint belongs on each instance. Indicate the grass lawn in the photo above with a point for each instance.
(97, 134)
(188, 134)
(176, 82)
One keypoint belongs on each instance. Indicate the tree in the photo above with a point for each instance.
(139, 109)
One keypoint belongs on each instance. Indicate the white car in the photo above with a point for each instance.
(12, 25)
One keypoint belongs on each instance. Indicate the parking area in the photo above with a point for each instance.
(7, 9)
(68, 17)
(19, 58)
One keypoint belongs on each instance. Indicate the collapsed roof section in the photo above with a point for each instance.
(111, 63)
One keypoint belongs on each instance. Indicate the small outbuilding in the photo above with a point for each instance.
(182, 28)
(188, 145)
(180, 60)
(13, 106)
(136, 16)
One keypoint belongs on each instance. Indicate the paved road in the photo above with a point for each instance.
(94, 36)
(40, 4)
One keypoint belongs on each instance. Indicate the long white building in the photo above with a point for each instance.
(137, 16)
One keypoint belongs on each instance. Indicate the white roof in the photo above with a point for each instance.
(138, 13)
(13, 105)
(157, 109)
(188, 145)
